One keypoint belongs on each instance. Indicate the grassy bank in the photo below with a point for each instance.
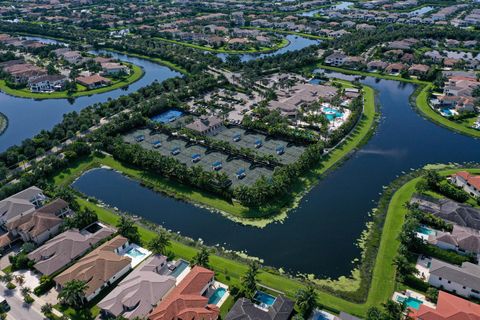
(300, 34)
(232, 209)
(230, 271)
(136, 74)
(277, 46)
(421, 102)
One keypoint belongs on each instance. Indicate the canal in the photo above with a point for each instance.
(319, 236)
(27, 117)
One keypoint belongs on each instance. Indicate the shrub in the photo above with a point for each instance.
(11, 286)
(416, 283)
(444, 255)
(452, 192)
(46, 283)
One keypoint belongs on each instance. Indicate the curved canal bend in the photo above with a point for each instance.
(319, 236)
(27, 117)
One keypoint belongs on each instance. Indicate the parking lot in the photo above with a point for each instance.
(290, 155)
(185, 154)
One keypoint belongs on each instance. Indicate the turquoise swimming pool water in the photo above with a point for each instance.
(217, 295)
(168, 116)
(264, 298)
(135, 253)
(331, 113)
(182, 265)
(426, 231)
(411, 302)
(447, 112)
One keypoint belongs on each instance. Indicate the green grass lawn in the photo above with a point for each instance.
(421, 101)
(230, 271)
(301, 34)
(275, 47)
(460, 127)
(234, 210)
(136, 74)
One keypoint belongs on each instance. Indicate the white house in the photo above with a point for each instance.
(469, 182)
(463, 281)
(47, 83)
(336, 59)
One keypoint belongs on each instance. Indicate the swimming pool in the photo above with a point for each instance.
(331, 114)
(447, 112)
(217, 295)
(411, 302)
(135, 253)
(264, 299)
(168, 116)
(182, 265)
(426, 231)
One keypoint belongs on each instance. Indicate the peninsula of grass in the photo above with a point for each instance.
(233, 210)
(135, 75)
(230, 271)
(420, 100)
(276, 47)
(3, 123)
(300, 34)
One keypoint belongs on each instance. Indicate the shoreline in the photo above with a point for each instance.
(137, 74)
(233, 210)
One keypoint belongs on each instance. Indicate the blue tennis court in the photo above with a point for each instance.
(168, 116)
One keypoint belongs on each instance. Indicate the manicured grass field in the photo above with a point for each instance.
(136, 74)
(234, 210)
(421, 101)
(277, 46)
(422, 105)
(230, 272)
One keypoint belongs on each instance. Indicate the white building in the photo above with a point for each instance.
(464, 280)
(470, 183)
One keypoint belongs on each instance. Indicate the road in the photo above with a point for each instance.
(18, 310)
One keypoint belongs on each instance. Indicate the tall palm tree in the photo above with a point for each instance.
(250, 280)
(20, 279)
(202, 258)
(306, 300)
(160, 243)
(127, 228)
(73, 293)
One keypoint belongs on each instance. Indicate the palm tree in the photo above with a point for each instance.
(26, 291)
(6, 278)
(306, 300)
(47, 309)
(20, 279)
(201, 258)
(159, 244)
(127, 228)
(250, 280)
(73, 293)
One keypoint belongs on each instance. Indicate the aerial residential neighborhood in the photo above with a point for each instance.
(240, 160)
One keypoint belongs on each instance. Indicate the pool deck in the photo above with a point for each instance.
(217, 285)
(412, 294)
(135, 260)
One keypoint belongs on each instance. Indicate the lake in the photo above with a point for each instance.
(318, 237)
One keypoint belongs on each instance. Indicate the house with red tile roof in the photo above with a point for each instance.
(187, 300)
(449, 307)
(469, 182)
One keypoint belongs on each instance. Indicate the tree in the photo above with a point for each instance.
(201, 258)
(159, 244)
(306, 300)
(20, 280)
(432, 294)
(374, 313)
(127, 228)
(47, 309)
(73, 293)
(250, 280)
(26, 291)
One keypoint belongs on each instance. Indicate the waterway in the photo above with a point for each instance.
(27, 117)
(318, 237)
(295, 43)
(344, 5)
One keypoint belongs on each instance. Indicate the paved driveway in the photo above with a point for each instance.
(18, 309)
